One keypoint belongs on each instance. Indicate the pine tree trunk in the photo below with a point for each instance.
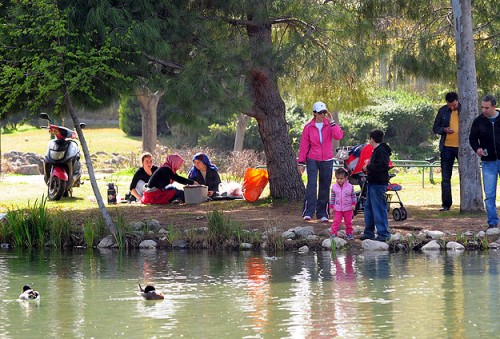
(471, 197)
(90, 167)
(148, 102)
(269, 110)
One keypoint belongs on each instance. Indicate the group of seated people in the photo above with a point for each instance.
(151, 177)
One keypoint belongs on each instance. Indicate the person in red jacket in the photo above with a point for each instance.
(316, 152)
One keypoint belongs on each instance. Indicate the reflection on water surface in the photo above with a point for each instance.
(95, 294)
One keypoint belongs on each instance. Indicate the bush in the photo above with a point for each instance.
(130, 120)
(221, 137)
(405, 118)
(130, 116)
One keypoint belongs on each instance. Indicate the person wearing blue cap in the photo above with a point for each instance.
(205, 173)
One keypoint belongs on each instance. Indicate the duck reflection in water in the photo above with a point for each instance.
(150, 293)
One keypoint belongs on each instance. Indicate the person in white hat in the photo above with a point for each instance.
(316, 152)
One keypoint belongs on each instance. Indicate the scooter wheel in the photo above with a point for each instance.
(56, 188)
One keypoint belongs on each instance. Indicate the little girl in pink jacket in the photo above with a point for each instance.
(342, 203)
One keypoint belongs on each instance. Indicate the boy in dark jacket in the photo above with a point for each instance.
(484, 138)
(377, 169)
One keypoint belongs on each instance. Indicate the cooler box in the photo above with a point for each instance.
(195, 194)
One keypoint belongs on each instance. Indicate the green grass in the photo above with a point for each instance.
(108, 139)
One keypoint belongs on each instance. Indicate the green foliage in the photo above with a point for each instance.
(46, 60)
(59, 230)
(122, 229)
(172, 234)
(28, 227)
(130, 116)
(221, 228)
(405, 118)
(221, 137)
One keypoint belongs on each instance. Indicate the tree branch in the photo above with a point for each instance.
(165, 63)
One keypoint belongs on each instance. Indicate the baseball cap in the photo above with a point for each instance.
(319, 106)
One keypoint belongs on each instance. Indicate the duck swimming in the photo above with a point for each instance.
(29, 294)
(150, 293)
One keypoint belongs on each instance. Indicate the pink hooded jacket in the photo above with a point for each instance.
(342, 198)
(311, 148)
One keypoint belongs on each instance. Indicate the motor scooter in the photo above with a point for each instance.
(62, 168)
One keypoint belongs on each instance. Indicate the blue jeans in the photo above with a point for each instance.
(448, 156)
(317, 200)
(376, 212)
(491, 170)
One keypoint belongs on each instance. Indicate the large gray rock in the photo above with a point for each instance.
(153, 225)
(454, 246)
(432, 245)
(179, 244)
(304, 249)
(148, 244)
(435, 234)
(32, 169)
(137, 225)
(493, 231)
(106, 242)
(373, 245)
(303, 232)
(288, 235)
(339, 243)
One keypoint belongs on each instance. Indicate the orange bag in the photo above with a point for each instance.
(254, 183)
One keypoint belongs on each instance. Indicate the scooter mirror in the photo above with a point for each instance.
(82, 125)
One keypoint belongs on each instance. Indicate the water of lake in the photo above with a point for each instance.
(88, 294)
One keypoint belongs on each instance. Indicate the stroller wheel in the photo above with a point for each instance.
(396, 214)
(404, 213)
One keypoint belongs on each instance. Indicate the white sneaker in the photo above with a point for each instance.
(324, 219)
(307, 218)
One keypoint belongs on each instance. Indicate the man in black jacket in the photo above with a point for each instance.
(446, 124)
(484, 138)
(377, 169)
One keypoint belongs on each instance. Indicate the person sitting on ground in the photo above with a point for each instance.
(205, 173)
(164, 176)
(142, 176)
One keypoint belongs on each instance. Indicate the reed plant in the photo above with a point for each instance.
(121, 230)
(221, 228)
(15, 227)
(89, 233)
(29, 226)
(172, 234)
(59, 230)
(333, 245)
(275, 240)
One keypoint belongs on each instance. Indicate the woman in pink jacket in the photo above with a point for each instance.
(316, 152)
